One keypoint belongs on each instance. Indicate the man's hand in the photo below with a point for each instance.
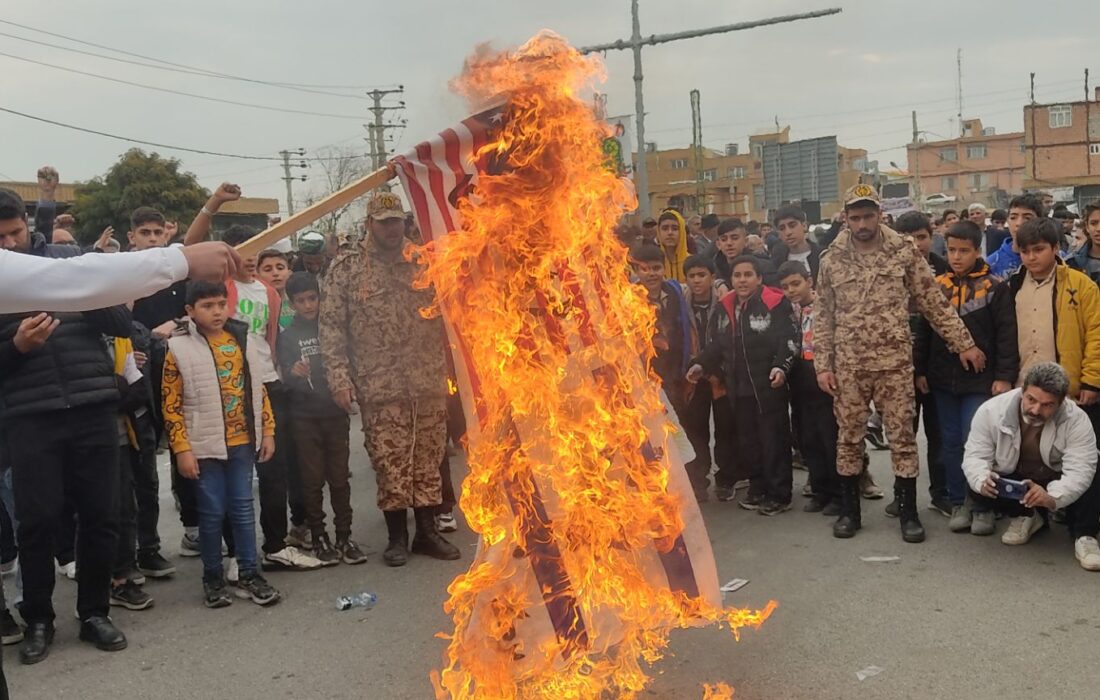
(973, 359)
(47, 182)
(1037, 497)
(170, 229)
(267, 449)
(343, 399)
(226, 192)
(695, 373)
(212, 261)
(922, 385)
(104, 238)
(826, 381)
(300, 369)
(187, 465)
(164, 330)
(989, 486)
(1088, 397)
(777, 377)
(33, 332)
(1000, 386)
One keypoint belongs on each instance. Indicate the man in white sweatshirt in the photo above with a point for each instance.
(1035, 436)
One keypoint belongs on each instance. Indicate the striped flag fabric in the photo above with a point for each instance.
(436, 175)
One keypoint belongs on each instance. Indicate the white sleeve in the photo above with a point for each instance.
(1078, 461)
(981, 448)
(32, 283)
(130, 371)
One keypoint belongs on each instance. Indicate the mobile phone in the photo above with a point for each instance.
(1010, 488)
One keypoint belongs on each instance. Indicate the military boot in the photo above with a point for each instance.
(850, 519)
(428, 540)
(905, 493)
(397, 551)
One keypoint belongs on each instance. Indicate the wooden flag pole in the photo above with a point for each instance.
(265, 239)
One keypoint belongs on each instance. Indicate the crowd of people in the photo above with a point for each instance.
(250, 377)
(781, 350)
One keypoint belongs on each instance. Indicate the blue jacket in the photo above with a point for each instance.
(1079, 260)
(1005, 261)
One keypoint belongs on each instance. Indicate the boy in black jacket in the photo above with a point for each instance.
(812, 407)
(985, 304)
(753, 346)
(319, 426)
(673, 323)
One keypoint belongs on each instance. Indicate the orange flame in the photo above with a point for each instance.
(718, 691)
(531, 237)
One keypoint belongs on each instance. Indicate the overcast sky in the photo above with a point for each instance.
(856, 75)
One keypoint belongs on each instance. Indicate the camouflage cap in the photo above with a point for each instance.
(311, 243)
(385, 205)
(861, 193)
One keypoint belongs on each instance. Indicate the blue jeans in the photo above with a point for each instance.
(956, 412)
(225, 489)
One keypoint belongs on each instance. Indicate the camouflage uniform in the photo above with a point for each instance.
(374, 341)
(861, 333)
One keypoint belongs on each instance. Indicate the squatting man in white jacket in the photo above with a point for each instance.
(1034, 435)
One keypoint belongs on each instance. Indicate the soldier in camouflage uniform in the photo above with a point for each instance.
(380, 351)
(863, 351)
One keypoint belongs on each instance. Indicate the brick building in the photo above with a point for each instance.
(979, 166)
(1062, 147)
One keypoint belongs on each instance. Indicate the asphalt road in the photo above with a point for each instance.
(957, 616)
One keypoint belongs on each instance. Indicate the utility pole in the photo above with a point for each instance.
(288, 178)
(697, 151)
(959, 87)
(635, 44)
(376, 129)
(916, 164)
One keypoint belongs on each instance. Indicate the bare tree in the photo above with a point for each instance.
(339, 167)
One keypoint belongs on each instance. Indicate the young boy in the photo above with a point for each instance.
(702, 292)
(812, 407)
(274, 270)
(984, 303)
(673, 335)
(732, 243)
(256, 303)
(793, 245)
(1087, 257)
(217, 416)
(320, 427)
(753, 346)
(1005, 261)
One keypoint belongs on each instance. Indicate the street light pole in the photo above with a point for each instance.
(635, 44)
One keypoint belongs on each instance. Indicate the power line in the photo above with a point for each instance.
(182, 65)
(174, 70)
(133, 140)
(178, 92)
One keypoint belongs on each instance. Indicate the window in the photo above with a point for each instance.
(757, 196)
(758, 151)
(949, 154)
(1061, 116)
(737, 172)
(976, 151)
(1094, 149)
(679, 164)
(859, 164)
(710, 175)
(947, 183)
(979, 182)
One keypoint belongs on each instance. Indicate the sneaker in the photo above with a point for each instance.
(1086, 549)
(807, 490)
(350, 552)
(741, 485)
(961, 519)
(232, 572)
(814, 506)
(11, 632)
(7, 568)
(257, 589)
(129, 595)
(868, 488)
(751, 501)
(446, 523)
(189, 543)
(324, 552)
(773, 508)
(215, 594)
(983, 523)
(155, 566)
(290, 558)
(876, 437)
(942, 505)
(300, 537)
(723, 494)
(67, 570)
(137, 577)
(1021, 529)
(892, 510)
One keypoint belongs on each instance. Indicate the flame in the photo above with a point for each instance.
(536, 232)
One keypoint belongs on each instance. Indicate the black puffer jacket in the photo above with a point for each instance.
(72, 369)
(765, 333)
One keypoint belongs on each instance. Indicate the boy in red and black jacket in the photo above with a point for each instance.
(753, 345)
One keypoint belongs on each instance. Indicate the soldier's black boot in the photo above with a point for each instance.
(397, 551)
(905, 493)
(850, 519)
(428, 540)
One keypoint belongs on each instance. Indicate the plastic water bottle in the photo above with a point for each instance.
(365, 600)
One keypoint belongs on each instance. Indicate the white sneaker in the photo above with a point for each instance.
(300, 537)
(1021, 529)
(68, 570)
(1088, 553)
(189, 543)
(446, 523)
(291, 558)
(232, 572)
